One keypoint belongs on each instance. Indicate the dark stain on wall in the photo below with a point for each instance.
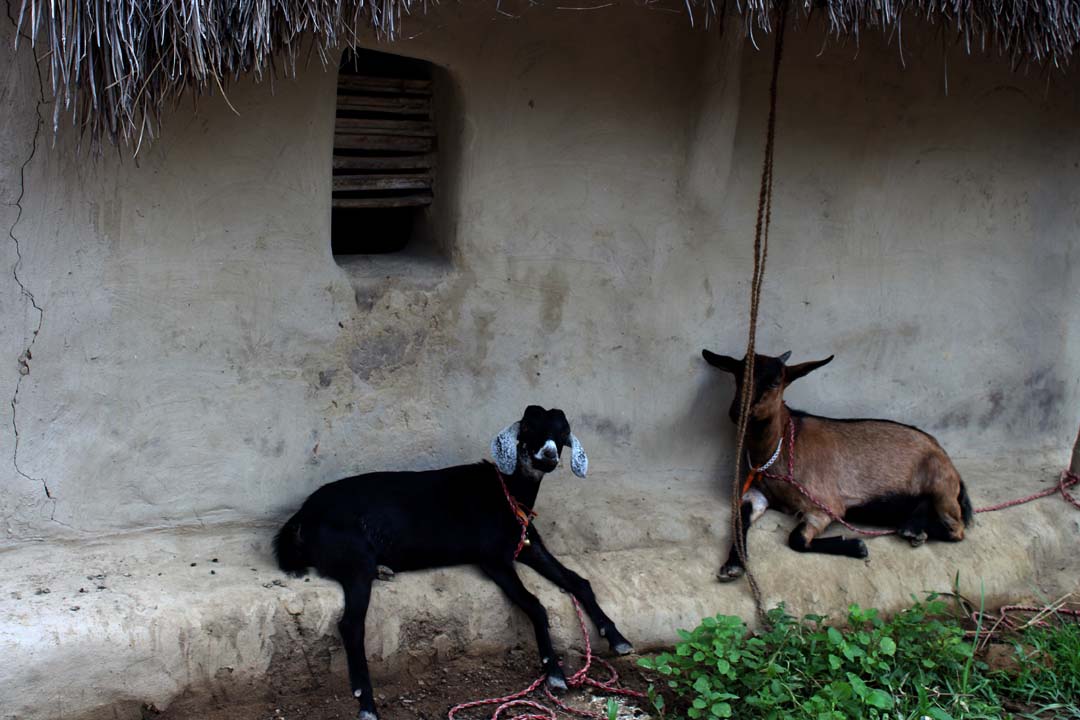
(384, 351)
(710, 309)
(1042, 397)
(531, 369)
(959, 417)
(1035, 403)
(614, 433)
(366, 299)
(554, 291)
(997, 407)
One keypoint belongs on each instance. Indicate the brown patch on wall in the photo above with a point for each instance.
(471, 349)
(383, 352)
(531, 369)
(482, 322)
(382, 342)
(553, 293)
(401, 339)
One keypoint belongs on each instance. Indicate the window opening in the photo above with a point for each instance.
(384, 152)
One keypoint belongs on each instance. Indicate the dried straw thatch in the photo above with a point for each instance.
(114, 64)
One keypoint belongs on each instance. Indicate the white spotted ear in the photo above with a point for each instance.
(504, 449)
(579, 461)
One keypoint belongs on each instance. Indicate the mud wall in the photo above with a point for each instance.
(202, 357)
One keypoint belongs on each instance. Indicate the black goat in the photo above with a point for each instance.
(438, 518)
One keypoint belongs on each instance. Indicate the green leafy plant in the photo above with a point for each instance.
(917, 664)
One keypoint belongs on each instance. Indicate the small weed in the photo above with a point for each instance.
(916, 665)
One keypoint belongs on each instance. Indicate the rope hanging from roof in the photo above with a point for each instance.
(761, 252)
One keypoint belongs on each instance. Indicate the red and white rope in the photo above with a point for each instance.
(540, 711)
(1065, 481)
(523, 516)
(1002, 622)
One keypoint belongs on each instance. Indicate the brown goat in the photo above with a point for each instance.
(874, 471)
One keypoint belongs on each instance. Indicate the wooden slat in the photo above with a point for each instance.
(413, 128)
(383, 142)
(382, 182)
(408, 105)
(400, 201)
(396, 162)
(365, 83)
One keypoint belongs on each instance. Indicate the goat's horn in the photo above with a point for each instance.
(784, 358)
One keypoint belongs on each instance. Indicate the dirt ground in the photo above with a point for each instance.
(424, 693)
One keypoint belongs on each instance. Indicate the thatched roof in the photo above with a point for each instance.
(114, 64)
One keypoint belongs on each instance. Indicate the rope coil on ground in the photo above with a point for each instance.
(578, 680)
(581, 678)
(1003, 622)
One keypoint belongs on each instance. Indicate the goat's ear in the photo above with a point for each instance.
(725, 363)
(504, 449)
(794, 372)
(579, 461)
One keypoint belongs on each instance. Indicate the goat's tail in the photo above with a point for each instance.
(289, 548)
(967, 513)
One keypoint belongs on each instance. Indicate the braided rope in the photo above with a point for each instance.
(1065, 481)
(790, 480)
(524, 517)
(578, 679)
(1004, 622)
(761, 252)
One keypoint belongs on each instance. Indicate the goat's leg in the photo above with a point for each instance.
(804, 539)
(351, 627)
(540, 559)
(915, 528)
(753, 507)
(508, 581)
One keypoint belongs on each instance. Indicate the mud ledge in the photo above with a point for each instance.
(139, 620)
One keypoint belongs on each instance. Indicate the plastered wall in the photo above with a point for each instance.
(202, 358)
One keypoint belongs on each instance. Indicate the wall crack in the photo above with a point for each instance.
(27, 354)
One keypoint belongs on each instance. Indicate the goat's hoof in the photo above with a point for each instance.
(556, 683)
(861, 551)
(384, 573)
(622, 648)
(366, 715)
(914, 538)
(730, 572)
